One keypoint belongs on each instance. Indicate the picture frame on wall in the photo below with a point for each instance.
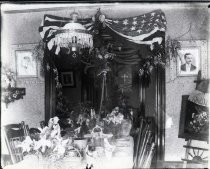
(25, 63)
(192, 58)
(68, 79)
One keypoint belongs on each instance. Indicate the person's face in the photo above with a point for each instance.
(27, 59)
(188, 59)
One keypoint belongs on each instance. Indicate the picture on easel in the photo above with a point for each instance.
(194, 117)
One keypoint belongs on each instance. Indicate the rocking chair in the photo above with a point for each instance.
(14, 134)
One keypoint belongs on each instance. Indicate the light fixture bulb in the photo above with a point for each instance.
(73, 49)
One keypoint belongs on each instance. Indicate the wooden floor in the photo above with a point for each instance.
(177, 164)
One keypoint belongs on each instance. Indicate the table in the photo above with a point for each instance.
(33, 162)
(122, 157)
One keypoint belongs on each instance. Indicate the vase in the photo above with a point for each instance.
(125, 128)
(72, 160)
(43, 162)
(80, 143)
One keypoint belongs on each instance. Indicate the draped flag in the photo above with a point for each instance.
(140, 29)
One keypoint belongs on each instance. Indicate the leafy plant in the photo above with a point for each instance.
(38, 54)
(171, 47)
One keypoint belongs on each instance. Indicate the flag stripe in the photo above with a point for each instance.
(140, 29)
(138, 39)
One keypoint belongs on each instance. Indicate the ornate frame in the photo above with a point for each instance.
(201, 45)
(24, 48)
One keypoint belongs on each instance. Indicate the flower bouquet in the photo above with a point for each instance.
(9, 92)
(199, 121)
(112, 122)
(49, 146)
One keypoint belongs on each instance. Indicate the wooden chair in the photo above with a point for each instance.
(14, 134)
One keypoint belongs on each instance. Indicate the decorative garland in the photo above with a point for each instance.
(38, 54)
(61, 102)
(62, 107)
(171, 48)
(160, 57)
(147, 66)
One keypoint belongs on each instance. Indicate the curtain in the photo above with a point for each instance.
(50, 86)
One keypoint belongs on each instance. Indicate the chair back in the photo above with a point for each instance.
(14, 134)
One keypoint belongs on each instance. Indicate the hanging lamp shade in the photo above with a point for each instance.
(73, 36)
(199, 98)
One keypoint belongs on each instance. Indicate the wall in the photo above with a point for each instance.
(31, 107)
(178, 86)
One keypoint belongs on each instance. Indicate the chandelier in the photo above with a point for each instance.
(73, 36)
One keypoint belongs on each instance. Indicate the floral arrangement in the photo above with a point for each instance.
(80, 121)
(171, 47)
(86, 121)
(159, 57)
(49, 142)
(199, 110)
(101, 59)
(113, 121)
(9, 92)
(115, 116)
(8, 77)
(199, 121)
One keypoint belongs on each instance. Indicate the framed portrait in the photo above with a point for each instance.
(26, 63)
(68, 79)
(192, 58)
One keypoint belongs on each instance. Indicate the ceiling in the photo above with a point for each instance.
(40, 7)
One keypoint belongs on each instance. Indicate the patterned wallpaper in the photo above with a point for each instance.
(29, 109)
(178, 86)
